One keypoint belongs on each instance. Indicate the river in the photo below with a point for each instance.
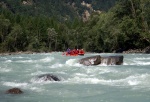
(129, 82)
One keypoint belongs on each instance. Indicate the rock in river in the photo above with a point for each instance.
(96, 60)
(93, 60)
(48, 77)
(14, 91)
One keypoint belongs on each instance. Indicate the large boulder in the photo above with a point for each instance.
(48, 77)
(14, 91)
(146, 50)
(94, 60)
(112, 60)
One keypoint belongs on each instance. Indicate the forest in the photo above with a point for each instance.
(126, 25)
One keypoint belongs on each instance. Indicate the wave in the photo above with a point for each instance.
(5, 69)
(15, 84)
(37, 89)
(143, 63)
(143, 58)
(44, 60)
(57, 65)
(37, 73)
(32, 87)
(73, 62)
(134, 80)
(8, 61)
(133, 73)
(136, 62)
(47, 59)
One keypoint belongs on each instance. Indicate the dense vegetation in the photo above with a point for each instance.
(125, 26)
(61, 9)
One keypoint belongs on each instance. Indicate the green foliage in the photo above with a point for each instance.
(4, 27)
(125, 26)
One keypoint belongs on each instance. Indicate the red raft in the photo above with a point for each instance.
(75, 53)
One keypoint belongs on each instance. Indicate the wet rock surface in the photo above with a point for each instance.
(48, 77)
(14, 91)
(96, 60)
(112, 60)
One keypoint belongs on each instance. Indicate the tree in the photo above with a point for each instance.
(16, 38)
(52, 38)
(4, 27)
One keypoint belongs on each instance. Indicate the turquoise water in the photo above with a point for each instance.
(129, 82)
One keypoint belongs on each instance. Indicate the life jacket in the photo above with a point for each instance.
(81, 52)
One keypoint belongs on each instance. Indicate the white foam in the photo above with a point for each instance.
(9, 61)
(15, 84)
(137, 61)
(90, 71)
(80, 74)
(104, 64)
(37, 73)
(40, 81)
(72, 62)
(99, 70)
(137, 79)
(143, 63)
(133, 82)
(94, 80)
(4, 70)
(47, 59)
(103, 71)
(80, 80)
(19, 57)
(37, 89)
(57, 65)
(36, 80)
(27, 61)
(142, 58)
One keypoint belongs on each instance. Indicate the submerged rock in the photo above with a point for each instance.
(14, 91)
(48, 77)
(96, 60)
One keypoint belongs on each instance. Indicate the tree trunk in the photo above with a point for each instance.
(133, 9)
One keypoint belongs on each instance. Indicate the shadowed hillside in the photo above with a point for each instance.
(62, 9)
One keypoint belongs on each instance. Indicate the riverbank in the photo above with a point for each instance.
(17, 53)
(144, 51)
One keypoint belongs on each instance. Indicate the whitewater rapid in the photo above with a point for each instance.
(22, 70)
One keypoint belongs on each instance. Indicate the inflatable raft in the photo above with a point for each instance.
(74, 53)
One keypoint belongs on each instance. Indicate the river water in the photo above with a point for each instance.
(129, 82)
